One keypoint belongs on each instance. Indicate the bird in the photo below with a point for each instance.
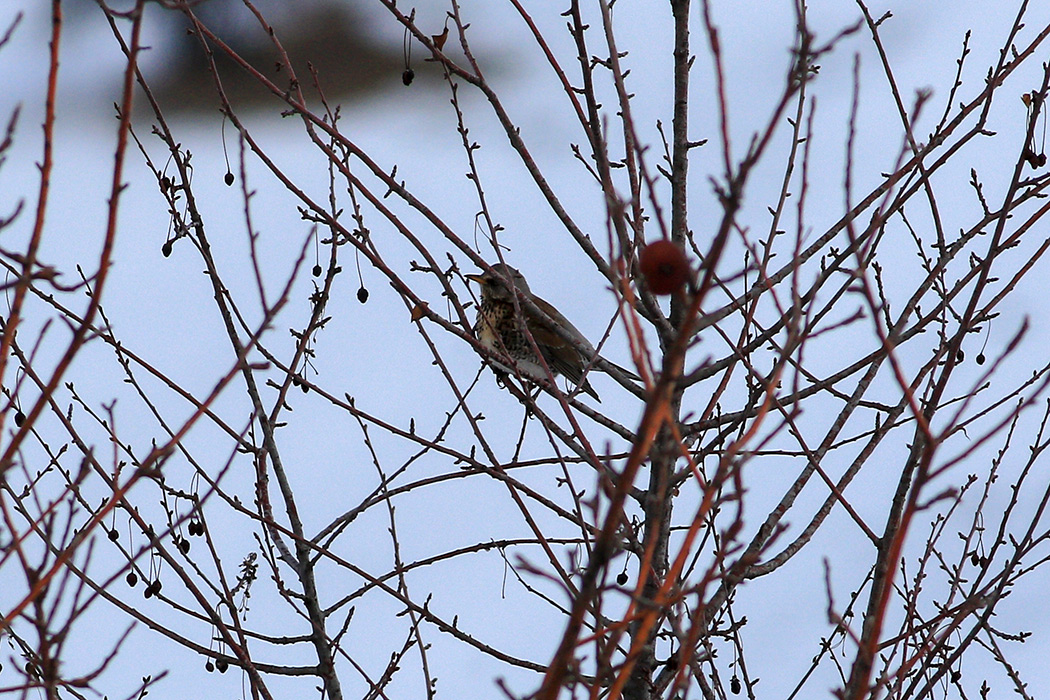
(500, 329)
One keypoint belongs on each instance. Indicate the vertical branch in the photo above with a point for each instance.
(105, 257)
(680, 145)
(29, 261)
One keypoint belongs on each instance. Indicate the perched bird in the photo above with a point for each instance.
(499, 329)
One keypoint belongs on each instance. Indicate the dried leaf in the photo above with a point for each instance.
(439, 39)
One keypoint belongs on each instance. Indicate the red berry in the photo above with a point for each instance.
(665, 267)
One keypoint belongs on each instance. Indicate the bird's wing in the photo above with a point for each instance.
(566, 325)
(562, 356)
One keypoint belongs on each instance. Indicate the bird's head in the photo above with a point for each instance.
(496, 284)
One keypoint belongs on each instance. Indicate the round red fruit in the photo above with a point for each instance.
(665, 267)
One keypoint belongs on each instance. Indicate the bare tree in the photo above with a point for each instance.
(800, 372)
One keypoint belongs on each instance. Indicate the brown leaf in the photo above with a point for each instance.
(418, 311)
(439, 39)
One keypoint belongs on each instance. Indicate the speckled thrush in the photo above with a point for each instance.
(500, 329)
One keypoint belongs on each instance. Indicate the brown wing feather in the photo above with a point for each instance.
(561, 321)
(563, 356)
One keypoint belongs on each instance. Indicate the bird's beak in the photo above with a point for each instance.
(480, 279)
